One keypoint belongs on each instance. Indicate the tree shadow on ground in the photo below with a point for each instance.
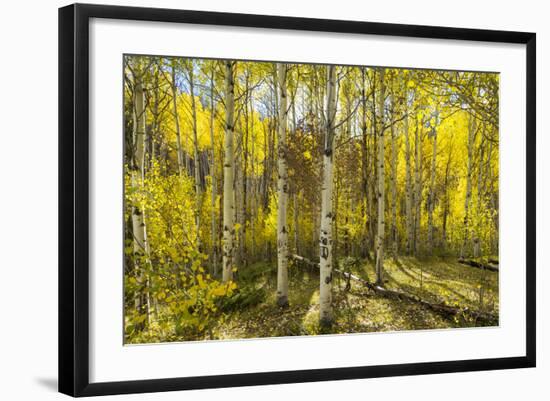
(267, 319)
(358, 310)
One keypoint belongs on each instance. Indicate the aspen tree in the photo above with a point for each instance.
(480, 194)
(214, 226)
(140, 243)
(198, 194)
(408, 175)
(431, 199)
(394, 161)
(325, 236)
(228, 175)
(365, 165)
(176, 116)
(381, 183)
(282, 191)
(417, 195)
(446, 204)
(466, 226)
(239, 192)
(254, 189)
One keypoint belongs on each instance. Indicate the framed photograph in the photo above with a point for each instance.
(250, 199)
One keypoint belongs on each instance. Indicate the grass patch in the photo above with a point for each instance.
(252, 312)
(434, 279)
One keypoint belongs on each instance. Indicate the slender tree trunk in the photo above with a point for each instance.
(365, 168)
(254, 187)
(244, 186)
(325, 238)
(394, 160)
(282, 192)
(488, 177)
(265, 163)
(239, 196)
(418, 186)
(381, 184)
(373, 197)
(155, 124)
(213, 228)
(186, 156)
(447, 201)
(480, 194)
(176, 118)
(408, 175)
(198, 191)
(431, 200)
(466, 224)
(141, 245)
(228, 173)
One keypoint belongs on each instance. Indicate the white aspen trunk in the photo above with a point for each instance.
(282, 191)
(480, 193)
(381, 185)
(432, 192)
(198, 194)
(408, 175)
(243, 188)
(239, 196)
(480, 174)
(364, 169)
(176, 118)
(394, 160)
(488, 192)
(228, 174)
(294, 112)
(267, 166)
(373, 212)
(141, 246)
(446, 205)
(213, 228)
(367, 242)
(466, 225)
(155, 123)
(138, 163)
(325, 238)
(254, 189)
(417, 196)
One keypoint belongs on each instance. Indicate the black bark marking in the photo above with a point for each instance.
(324, 252)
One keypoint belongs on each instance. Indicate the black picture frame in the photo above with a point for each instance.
(74, 198)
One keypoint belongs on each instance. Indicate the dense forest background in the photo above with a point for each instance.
(268, 199)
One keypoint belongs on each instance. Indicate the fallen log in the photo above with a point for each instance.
(493, 261)
(479, 265)
(304, 260)
(437, 307)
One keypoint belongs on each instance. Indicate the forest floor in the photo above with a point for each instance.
(252, 312)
